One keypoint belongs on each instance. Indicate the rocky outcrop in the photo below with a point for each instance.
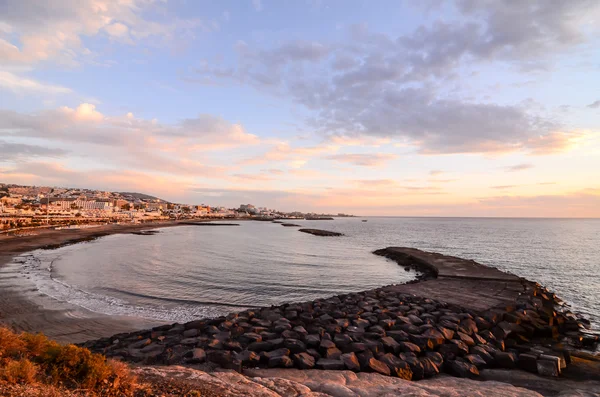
(319, 232)
(316, 383)
(290, 225)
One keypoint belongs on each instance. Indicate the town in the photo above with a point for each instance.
(26, 207)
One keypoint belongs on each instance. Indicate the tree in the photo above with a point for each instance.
(126, 207)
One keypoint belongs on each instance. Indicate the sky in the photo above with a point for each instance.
(429, 108)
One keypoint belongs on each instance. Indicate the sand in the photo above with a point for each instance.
(23, 308)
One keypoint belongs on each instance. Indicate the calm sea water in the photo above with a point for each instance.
(187, 272)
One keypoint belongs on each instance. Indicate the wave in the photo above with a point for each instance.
(39, 273)
(173, 300)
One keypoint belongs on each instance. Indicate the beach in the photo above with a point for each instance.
(25, 309)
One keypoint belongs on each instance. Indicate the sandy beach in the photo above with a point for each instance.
(23, 308)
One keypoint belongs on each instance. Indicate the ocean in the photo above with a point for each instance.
(187, 272)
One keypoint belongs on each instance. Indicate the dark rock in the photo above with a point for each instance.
(461, 369)
(294, 345)
(248, 357)
(333, 353)
(364, 357)
(398, 335)
(249, 338)
(195, 356)
(330, 365)
(304, 360)
(280, 361)
(436, 358)
(141, 343)
(468, 326)
(342, 340)
(232, 345)
(528, 362)
(462, 346)
(548, 368)
(355, 347)
(446, 332)
(476, 360)
(409, 347)
(224, 359)
(190, 333)
(312, 340)
(326, 344)
(397, 367)
(390, 345)
(260, 346)
(415, 365)
(429, 367)
(275, 353)
(506, 360)
(350, 362)
(375, 365)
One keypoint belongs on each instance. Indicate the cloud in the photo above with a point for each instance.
(400, 88)
(366, 160)
(21, 85)
(55, 32)
(519, 167)
(376, 182)
(130, 142)
(582, 203)
(10, 151)
(435, 172)
(594, 105)
(504, 186)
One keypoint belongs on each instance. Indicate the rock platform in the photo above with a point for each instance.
(460, 318)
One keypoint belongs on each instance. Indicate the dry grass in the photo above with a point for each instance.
(27, 359)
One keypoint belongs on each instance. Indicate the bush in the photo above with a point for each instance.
(22, 371)
(30, 359)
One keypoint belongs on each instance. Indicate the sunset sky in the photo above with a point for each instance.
(429, 108)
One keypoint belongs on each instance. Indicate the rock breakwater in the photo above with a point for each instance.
(319, 232)
(385, 331)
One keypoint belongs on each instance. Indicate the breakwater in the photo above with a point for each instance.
(460, 318)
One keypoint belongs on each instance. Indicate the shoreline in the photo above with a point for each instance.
(448, 285)
(25, 309)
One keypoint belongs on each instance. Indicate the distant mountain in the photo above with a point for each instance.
(141, 196)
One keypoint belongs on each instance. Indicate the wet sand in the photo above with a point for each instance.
(23, 308)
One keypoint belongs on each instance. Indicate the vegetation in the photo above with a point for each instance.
(27, 359)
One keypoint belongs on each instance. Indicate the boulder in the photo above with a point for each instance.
(304, 361)
(281, 362)
(548, 368)
(326, 364)
(195, 356)
(294, 345)
(350, 361)
(390, 345)
(528, 362)
(409, 347)
(506, 360)
(461, 369)
(374, 365)
(397, 367)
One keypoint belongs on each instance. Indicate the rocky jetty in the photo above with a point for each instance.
(290, 225)
(385, 331)
(319, 232)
